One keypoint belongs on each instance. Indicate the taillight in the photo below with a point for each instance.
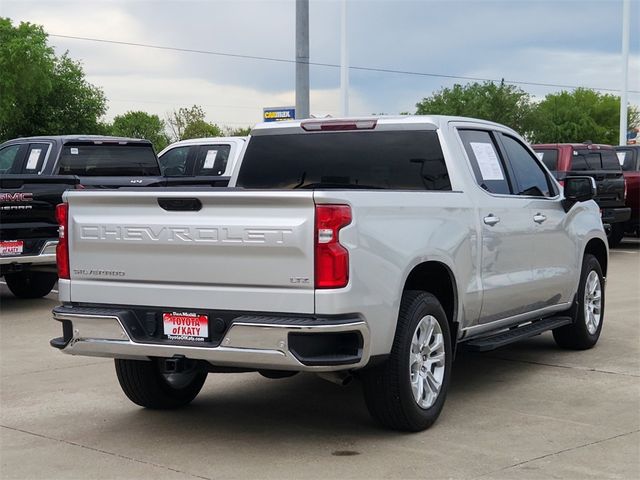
(625, 189)
(332, 259)
(62, 249)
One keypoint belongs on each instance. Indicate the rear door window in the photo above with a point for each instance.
(531, 179)
(108, 160)
(486, 162)
(395, 160)
(36, 154)
(211, 160)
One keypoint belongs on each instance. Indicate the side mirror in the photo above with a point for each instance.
(578, 189)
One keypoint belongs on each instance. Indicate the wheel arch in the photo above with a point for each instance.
(438, 279)
(598, 249)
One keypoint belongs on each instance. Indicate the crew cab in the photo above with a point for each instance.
(34, 172)
(629, 157)
(597, 161)
(369, 247)
(215, 156)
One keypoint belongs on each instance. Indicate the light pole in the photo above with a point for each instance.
(302, 58)
(626, 18)
(344, 62)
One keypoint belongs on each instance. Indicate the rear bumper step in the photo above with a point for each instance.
(251, 341)
(515, 334)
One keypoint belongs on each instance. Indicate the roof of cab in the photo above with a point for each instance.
(435, 121)
(78, 138)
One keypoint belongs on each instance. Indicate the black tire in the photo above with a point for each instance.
(576, 336)
(615, 235)
(145, 384)
(387, 387)
(30, 284)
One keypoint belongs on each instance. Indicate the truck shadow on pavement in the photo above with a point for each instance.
(296, 407)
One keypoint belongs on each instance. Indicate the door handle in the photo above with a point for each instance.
(539, 218)
(491, 219)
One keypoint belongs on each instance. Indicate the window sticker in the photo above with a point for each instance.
(74, 151)
(487, 161)
(540, 155)
(32, 161)
(210, 158)
(621, 157)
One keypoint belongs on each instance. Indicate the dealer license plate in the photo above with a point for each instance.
(11, 247)
(189, 326)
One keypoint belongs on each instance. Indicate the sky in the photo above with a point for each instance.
(565, 42)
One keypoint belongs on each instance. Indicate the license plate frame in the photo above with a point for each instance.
(10, 248)
(185, 326)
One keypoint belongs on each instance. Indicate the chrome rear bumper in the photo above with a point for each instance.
(249, 342)
(47, 255)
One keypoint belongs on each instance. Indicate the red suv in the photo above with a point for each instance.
(629, 157)
(597, 161)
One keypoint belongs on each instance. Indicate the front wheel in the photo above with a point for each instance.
(587, 311)
(147, 385)
(408, 391)
(30, 284)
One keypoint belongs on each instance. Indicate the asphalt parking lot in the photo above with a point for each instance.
(527, 411)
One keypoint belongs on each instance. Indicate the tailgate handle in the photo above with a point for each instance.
(180, 204)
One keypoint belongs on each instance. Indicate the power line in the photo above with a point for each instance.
(333, 65)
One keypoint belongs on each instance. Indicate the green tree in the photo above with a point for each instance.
(239, 132)
(141, 125)
(190, 122)
(580, 115)
(502, 103)
(201, 129)
(42, 93)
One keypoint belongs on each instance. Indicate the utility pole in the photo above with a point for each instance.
(302, 58)
(626, 20)
(344, 62)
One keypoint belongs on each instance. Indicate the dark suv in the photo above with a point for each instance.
(597, 161)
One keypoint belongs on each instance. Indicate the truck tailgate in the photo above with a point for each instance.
(231, 250)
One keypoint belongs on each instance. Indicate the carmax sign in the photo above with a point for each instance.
(278, 114)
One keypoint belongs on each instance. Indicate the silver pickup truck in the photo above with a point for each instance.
(368, 247)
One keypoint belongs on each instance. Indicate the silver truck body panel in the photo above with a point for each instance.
(126, 250)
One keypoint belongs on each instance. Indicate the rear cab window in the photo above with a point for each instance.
(108, 159)
(585, 160)
(392, 160)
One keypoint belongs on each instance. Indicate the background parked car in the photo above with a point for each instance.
(629, 157)
(214, 156)
(597, 161)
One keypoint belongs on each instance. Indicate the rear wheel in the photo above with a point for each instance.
(30, 284)
(147, 385)
(588, 310)
(408, 391)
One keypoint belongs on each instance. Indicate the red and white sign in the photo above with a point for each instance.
(186, 326)
(11, 247)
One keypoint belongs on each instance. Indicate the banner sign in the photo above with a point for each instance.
(278, 114)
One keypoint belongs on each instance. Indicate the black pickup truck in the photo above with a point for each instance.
(601, 163)
(34, 173)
